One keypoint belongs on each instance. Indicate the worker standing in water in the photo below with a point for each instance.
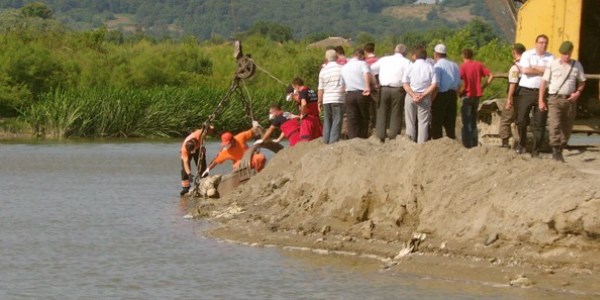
(190, 149)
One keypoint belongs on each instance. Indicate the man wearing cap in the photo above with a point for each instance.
(565, 80)
(443, 108)
(357, 78)
(420, 83)
(390, 107)
(508, 111)
(331, 96)
(533, 64)
(471, 73)
(234, 147)
(190, 149)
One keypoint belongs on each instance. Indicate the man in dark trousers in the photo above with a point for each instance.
(357, 78)
(508, 111)
(533, 65)
(443, 108)
(471, 73)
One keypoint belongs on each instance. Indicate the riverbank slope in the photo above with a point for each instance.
(437, 203)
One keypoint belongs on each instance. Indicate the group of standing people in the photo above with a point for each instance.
(402, 89)
(420, 93)
(546, 87)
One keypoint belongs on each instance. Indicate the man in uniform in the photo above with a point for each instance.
(565, 80)
(533, 64)
(508, 111)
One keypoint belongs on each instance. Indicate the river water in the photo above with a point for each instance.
(83, 220)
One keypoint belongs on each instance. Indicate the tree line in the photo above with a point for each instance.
(99, 83)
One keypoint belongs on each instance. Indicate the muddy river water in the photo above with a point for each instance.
(82, 220)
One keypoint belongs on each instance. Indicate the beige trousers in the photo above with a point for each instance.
(561, 114)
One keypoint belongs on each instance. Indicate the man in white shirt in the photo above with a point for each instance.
(420, 83)
(533, 64)
(443, 108)
(390, 108)
(331, 95)
(357, 76)
(565, 80)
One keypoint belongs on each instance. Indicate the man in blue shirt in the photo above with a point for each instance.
(443, 108)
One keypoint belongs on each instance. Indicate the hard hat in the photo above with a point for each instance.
(226, 138)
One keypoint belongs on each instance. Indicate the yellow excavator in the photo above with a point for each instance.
(577, 21)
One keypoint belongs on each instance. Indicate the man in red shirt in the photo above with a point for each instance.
(471, 73)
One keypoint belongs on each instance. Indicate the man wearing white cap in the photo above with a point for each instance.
(443, 108)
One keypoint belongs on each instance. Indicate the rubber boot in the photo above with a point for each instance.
(557, 154)
(505, 143)
(184, 190)
(535, 150)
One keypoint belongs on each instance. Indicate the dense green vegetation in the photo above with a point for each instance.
(99, 83)
(226, 18)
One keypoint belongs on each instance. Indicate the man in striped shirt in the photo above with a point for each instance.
(331, 96)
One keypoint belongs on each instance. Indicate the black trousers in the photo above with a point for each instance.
(357, 114)
(195, 157)
(443, 115)
(525, 102)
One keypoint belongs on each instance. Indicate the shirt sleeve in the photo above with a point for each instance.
(524, 62)
(222, 157)
(365, 68)
(406, 75)
(304, 95)
(434, 78)
(581, 73)
(484, 71)
(513, 74)
(547, 74)
(376, 67)
(244, 136)
(321, 81)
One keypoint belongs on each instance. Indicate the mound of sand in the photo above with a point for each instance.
(481, 201)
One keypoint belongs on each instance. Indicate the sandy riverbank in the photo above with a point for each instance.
(483, 214)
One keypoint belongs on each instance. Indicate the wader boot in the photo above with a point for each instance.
(557, 153)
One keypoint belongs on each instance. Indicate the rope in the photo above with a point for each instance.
(247, 102)
(267, 72)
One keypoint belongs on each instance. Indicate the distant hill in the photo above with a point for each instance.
(206, 19)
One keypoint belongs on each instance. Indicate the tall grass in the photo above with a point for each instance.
(156, 112)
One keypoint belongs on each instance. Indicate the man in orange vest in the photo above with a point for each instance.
(234, 147)
(190, 149)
